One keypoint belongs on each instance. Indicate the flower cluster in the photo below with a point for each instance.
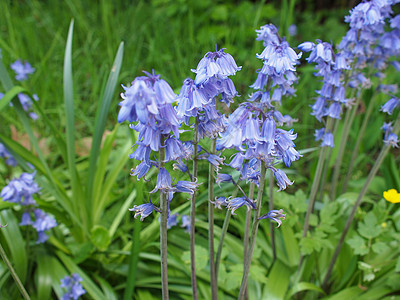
(22, 71)
(10, 160)
(20, 191)
(73, 287)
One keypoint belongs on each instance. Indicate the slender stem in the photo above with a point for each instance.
(358, 143)
(222, 237)
(326, 165)
(371, 175)
(246, 234)
(254, 231)
(315, 184)
(163, 229)
(193, 212)
(14, 274)
(350, 113)
(271, 207)
(211, 182)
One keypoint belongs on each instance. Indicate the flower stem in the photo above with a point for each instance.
(14, 274)
(271, 207)
(246, 234)
(358, 142)
(193, 212)
(316, 181)
(163, 229)
(371, 175)
(211, 182)
(222, 237)
(348, 121)
(253, 232)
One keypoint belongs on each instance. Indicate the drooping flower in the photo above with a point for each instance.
(274, 215)
(72, 285)
(392, 196)
(235, 203)
(163, 182)
(10, 160)
(43, 223)
(144, 210)
(219, 202)
(187, 186)
(22, 69)
(282, 179)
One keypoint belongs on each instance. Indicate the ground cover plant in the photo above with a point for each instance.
(241, 151)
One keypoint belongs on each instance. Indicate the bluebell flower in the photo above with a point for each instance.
(186, 222)
(172, 220)
(392, 139)
(219, 202)
(268, 34)
(292, 30)
(10, 160)
(21, 190)
(26, 219)
(215, 64)
(327, 140)
(22, 69)
(282, 179)
(174, 149)
(43, 222)
(274, 215)
(73, 286)
(213, 159)
(181, 166)
(223, 178)
(163, 182)
(140, 170)
(390, 105)
(186, 186)
(143, 210)
(235, 203)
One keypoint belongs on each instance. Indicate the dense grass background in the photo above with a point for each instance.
(171, 37)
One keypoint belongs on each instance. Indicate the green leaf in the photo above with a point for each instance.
(100, 237)
(201, 258)
(397, 268)
(278, 282)
(369, 228)
(10, 95)
(349, 293)
(358, 245)
(101, 117)
(304, 286)
(379, 247)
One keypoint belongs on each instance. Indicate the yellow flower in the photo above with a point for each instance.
(392, 196)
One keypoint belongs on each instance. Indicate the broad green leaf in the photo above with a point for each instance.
(349, 293)
(358, 245)
(304, 286)
(100, 237)
(369, 228)
(379, 247)
(201, 258)
(278, 281)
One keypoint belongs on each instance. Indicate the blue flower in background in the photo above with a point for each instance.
(10, 160)
(274, 215)
(73, 286)
(43, 222)
(22, 69)
(186, 222)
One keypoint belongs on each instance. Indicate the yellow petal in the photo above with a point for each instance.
(392, 196)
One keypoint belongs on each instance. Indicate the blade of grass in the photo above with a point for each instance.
(14, 91)
(101, 119)
(77, 200)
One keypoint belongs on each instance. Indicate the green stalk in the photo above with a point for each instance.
(316, 181)
(211, 182)
(246, 234)
(14, 274)
(326, 165)
(271, 207)
(193, 212)
(163, 228)
(371, 175)
(135, 249)
(222, 237)
(348, 121)
(358, 142)
(254, 231)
